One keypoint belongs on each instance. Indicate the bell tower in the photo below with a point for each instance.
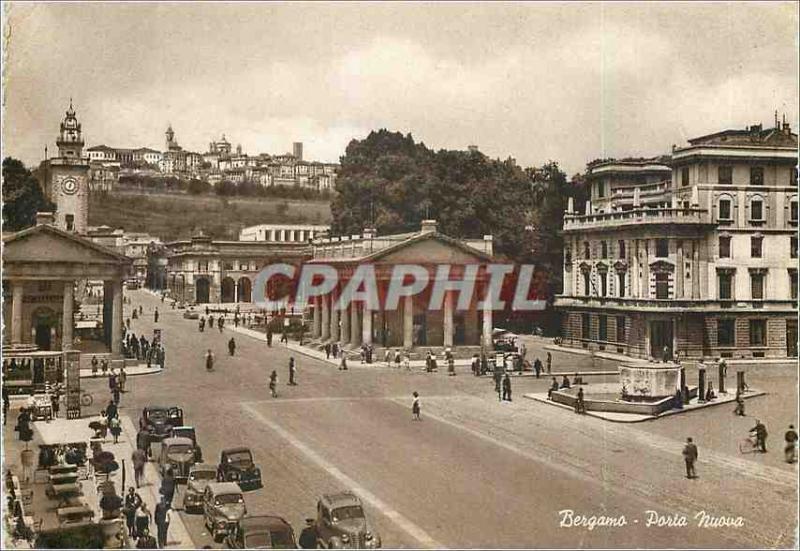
(68, 176)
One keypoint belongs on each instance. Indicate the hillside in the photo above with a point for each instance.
(173, 216)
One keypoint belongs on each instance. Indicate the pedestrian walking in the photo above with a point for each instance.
(141, 310)
(236, 320)
(162, 519)
(155, 315)
(142, 521)
(115, 395)
(122, 379)
(292, 372)
(415, 407)
(397, 359)
(211, 322)
(209, 360)
(273, 383)
(343, 363)
(739, 410)
(475, 365)
(104, 365)
(167, 489)
(231, 346)
(201, 324)
(111, 409)
(146, 541)
(760, 431)
(269, 337)
(132, 503)
(580, 405)
(115, 428)
(327, 351)
(387, 357)
(54, 404)
(549, 362)
(690, 458)
(537, 367)
(791, 445)
(506, 387)
(220, 323)
(139, 460)
(284, 337)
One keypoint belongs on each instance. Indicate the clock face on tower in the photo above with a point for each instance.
(69, 185)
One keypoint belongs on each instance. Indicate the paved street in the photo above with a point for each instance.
(475, 472)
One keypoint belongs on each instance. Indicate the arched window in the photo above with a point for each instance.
(757, 209)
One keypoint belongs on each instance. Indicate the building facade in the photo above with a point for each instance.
(283, 233)
(202, 270)
(412, 325)
(697, 262)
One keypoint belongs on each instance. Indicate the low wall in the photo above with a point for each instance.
(642, 408)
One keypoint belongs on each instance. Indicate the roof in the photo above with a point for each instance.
(753, 135)
(224, 488)
(177, 441)
(236, 450)
(100, 148)
(203, 467)
(256, 523)
(341, 499)
(82, 241)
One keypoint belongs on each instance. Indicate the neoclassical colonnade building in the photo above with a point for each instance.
(412, 324)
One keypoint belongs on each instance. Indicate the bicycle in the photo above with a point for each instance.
(749, 445)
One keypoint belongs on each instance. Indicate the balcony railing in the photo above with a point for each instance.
(636, 217)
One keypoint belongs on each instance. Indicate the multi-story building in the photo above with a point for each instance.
(283, 233)
(698, 262)
(203, 270)
(103, 175)
(135, 246)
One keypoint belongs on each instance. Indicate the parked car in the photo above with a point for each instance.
(189, 432)
(237, 465)
(504, 341)
(191, 314)
(177, 454)
(261, 532)
(155, 424)
(341, 523)
(200, 475)
(223, 508)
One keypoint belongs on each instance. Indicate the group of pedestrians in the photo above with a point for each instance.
(138, 519)
(151, 351)
(220, 322)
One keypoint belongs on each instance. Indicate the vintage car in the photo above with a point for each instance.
(200, 475)
(191, 314)
(504, 341)
(261, 532)
(190, 433)
(341, 523)
(155, 424)
(236, 465)
(223, 508)
(177, 454)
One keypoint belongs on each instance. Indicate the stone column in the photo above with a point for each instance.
(408, 322)
(635, 280)
(326, 317)
(317, 330)
(355, 326)
(345, 317)
(645, 291)
(16, 311)
(679, 273)
(67, 318)
(334, 318)
(116, 319)
(448, 319)
(487, 329)
(696, 270)
(235, 292)
(366, 325)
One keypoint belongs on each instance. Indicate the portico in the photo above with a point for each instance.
(43, 266)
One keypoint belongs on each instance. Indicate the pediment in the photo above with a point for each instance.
(45, 244)
(430, 248)
(662, 266)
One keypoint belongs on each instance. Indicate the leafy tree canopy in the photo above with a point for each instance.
(22, 196)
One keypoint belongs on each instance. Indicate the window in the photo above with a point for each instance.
(587, 287)
(725, 175)
(793, 247)
(758, 332)
(757, 210)
(70, 221)
(587, 254)
(725, 286)
(620, 328)
(685, 176)
(662, 286)
(621, 247)
(793, 211)
(585, 326)
(621, 284)
(756, 175)
(602, 327)
(757, 286)
(726, 332)
(662, 248)
(603, 249)
(725, 209)
(228, 265)
(755, 247)
(793, 177)
(601, 188)
(793, 283)
(603, 283)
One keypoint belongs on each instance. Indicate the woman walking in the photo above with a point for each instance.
(142, 520)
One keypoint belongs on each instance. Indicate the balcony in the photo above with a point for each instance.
(674, 305)
(637, 217)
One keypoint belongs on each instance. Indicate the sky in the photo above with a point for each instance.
(534, 81)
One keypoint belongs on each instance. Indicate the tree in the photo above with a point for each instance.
(198, 187)
(225, 188)
(22, 196)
